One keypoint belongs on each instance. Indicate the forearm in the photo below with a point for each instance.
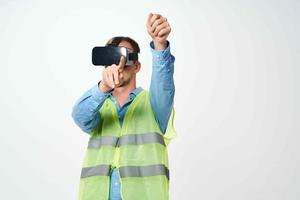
(85, 112)
(162, 88)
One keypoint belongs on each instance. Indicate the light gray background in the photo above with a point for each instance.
(237, 93)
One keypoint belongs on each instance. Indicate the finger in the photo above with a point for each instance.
(111, 79)
(160, 27)
(104, 76)
(156, 23)
(149, 18)
(121, 63)
(116, 76)
(153, 18)
(164, 31)
(106, 79)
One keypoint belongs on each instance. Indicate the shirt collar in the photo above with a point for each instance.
(133, 93)
(136, 91)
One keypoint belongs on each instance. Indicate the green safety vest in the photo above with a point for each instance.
(138, 149)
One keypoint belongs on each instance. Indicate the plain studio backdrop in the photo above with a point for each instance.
(237, 82)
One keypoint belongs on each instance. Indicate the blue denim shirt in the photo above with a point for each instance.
(162, 90)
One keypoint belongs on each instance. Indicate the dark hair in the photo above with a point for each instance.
(118, 39)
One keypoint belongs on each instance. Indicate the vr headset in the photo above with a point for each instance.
(111, 54)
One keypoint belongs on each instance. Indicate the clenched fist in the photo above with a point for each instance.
(112, 76)
(159, 29)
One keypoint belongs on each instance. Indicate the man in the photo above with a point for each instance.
(130, 127)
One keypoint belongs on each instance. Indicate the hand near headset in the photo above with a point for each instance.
(159, 29)
(112, 76)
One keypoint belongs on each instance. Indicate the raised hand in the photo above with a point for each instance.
(159, 29)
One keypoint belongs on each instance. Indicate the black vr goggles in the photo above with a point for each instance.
(111, 54)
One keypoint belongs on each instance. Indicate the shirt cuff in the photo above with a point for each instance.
(97, 94)
(160, 55)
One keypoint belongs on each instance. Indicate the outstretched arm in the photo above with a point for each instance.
(162, 88)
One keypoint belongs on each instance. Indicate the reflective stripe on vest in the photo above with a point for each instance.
(148, 170)
(127, 139)
(126, 171)
(103, 140)
(99, 170)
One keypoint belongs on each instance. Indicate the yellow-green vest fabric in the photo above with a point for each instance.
(138, 149)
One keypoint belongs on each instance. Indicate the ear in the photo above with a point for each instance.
(137, 66)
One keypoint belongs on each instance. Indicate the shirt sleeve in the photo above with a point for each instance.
(162, 88)
(85, 112)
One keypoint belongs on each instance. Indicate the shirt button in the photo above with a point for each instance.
(116, 183)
